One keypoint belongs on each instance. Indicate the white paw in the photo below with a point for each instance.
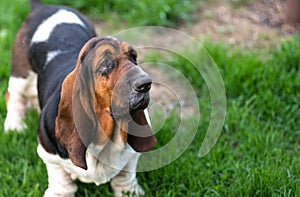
(133, 191)
(50, 193)
(138, 191)
(14, 124)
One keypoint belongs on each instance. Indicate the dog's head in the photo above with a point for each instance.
(106, 86)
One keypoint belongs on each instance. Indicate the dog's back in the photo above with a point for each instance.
(56, 31)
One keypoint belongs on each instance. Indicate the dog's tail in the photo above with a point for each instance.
(34, 4)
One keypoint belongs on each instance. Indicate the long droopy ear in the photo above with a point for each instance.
(65, 130)
(77, 125)
(140, 136)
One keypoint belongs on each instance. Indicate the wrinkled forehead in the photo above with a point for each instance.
(112, 46)
(98, 50)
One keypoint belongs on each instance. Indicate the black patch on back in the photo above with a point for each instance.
(67, 38)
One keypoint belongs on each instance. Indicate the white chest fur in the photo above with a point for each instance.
(101, 168)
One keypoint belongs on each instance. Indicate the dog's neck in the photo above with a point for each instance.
(115, 144)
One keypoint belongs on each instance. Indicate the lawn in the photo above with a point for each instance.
(257, 153)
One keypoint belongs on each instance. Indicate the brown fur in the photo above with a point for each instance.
(7, 97)
(20, 62)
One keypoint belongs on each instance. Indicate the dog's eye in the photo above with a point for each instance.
(133, 56)
(105, 66)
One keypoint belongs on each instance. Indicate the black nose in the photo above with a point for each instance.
(143, 84)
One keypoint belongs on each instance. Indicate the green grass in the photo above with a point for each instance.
(256, 155)
(154, 12)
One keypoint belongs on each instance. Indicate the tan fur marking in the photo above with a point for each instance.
(7, 97)
(124, 130)
(106, 126)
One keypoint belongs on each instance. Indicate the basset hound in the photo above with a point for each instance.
(92, 97)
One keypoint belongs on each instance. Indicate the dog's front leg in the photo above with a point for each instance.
(59, 182)
(125, 183)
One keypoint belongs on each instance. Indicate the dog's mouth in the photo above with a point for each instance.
(136, 101)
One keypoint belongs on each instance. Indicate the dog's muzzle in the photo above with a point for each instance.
(131, 93)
